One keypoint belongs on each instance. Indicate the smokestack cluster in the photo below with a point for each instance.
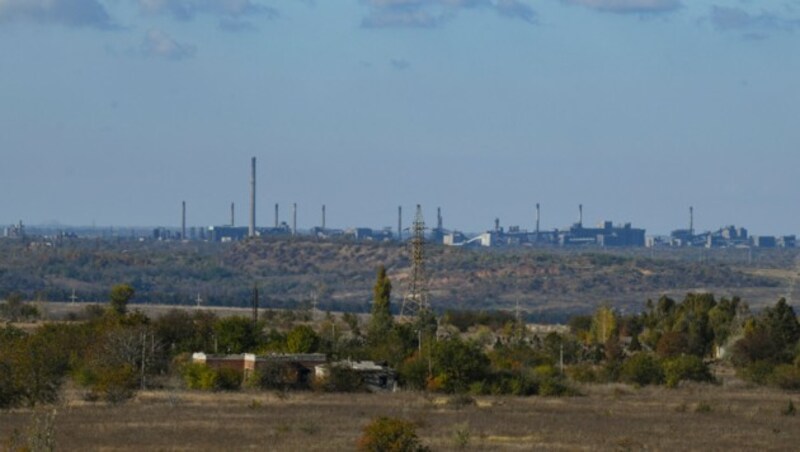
(252, 230)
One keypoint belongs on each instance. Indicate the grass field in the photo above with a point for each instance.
(608, 417)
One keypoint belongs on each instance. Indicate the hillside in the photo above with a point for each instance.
(547, 283)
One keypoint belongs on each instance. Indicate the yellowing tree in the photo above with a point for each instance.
(604, 324)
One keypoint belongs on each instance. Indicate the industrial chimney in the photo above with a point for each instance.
(538, 217)
(277, 218)
(691, 221)
(399, 223)
(252, 231)
(323, 217)
(183, 220)
(294, 219)
(233, 216)
(580, 215)
(439, 222)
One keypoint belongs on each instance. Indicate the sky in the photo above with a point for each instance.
(112, 112)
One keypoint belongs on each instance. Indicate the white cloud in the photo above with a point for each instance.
(629, 6)
(159, 44)
(73, 13)
(731, 18)
(432, 13)
(187, 9)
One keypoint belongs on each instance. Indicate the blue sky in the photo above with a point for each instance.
(114, 111)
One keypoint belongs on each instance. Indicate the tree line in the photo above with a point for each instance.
(114, 351)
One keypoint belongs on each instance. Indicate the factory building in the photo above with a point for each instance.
(727, 237)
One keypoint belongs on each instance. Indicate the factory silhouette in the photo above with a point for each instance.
(605, 234)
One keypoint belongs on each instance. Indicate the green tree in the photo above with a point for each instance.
(642, 369)
(302, 339)
(121, 295)
(686, 367)
(237, 335)
(781, 323)
(381, 319)
(457, 364)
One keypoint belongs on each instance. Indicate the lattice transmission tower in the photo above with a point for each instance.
(415, 301)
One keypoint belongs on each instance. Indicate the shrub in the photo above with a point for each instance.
(461, 436)
(340, 379)
(786, 376)
(583, 373)
(789, 410)
(553, 387)
(228, 379)
(703, 407)
(199, 376)
(413, 373)
(757, 372)
(642, 369)
(386, 434)
(686, 367)
(461, 401)
(115, 384)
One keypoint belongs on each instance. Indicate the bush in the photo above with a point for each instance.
(553, 387)
(340, 379)
(642, 369)
(687, 367)
(228, 380)
(271, 376)
(786, 377)
(199, 376)
(789, 410)
(386, 434)
(757, 372)
(114, 384)
(413, 373)
(583, 373)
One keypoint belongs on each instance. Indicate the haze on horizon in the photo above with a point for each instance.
(114, 111)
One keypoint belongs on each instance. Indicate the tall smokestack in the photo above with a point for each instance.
(183, 220)
(323, 217)
(252, 231)
(233, 215)
(400, 223)
(277, 219)
(538, 217)
(580, 215)
(294, 219)
(439, 221)
(691, 220)
(496, 225)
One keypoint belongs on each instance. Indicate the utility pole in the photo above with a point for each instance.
(255, 305)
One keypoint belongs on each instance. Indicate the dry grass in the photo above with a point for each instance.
(612, 417)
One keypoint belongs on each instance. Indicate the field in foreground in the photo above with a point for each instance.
(607, 418)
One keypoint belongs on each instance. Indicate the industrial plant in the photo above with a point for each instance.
(606, 234)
